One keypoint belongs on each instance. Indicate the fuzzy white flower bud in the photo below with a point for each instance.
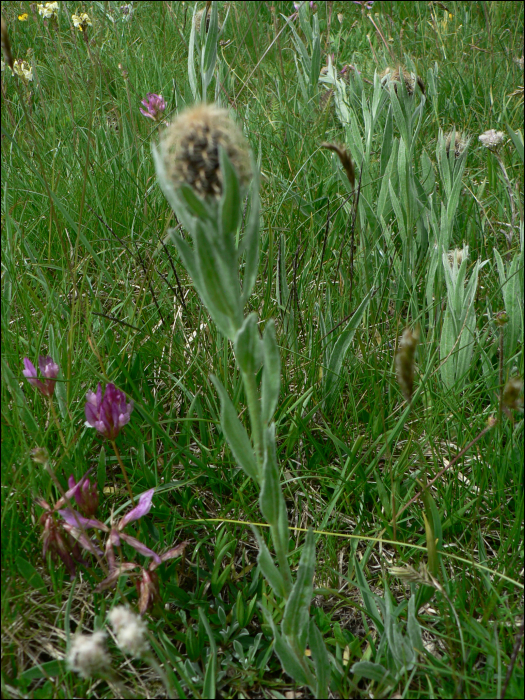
(130, 631)
(88, 655)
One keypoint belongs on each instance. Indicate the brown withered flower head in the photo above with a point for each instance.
(190, 150)
(404, 362)
(512, 398)
(459, 144)
(398, 74)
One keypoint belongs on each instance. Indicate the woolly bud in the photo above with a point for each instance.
(88, 655)
(405, 362)
(130, 631)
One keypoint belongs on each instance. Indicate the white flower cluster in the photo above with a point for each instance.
(492, 138)
(130, 631)
(88, 655)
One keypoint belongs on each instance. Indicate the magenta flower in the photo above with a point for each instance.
(75, 521)
(57, 540)
(48, 369)
(109, 414)
(85, 494)
(155, 106)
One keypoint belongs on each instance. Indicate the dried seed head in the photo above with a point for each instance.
(400, 73)
(455, 257)
(460, 143)
(199, 17)
(404, 362)
(511, 397)
(190, 150)
(345, 158)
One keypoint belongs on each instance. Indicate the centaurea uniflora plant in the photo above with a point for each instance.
(109, 413)
(204, 169)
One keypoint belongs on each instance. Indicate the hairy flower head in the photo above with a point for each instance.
(492, 139)
(130, 630)
(88, 655)
(190, 150)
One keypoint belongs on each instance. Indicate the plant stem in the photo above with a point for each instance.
(57, 422)
(114, 445)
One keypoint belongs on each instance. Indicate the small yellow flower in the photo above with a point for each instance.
(23, 18)
(81, 21)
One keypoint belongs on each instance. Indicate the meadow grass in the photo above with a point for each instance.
(90, 278)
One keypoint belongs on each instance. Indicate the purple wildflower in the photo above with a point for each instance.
(86, 495)
(109, 414)
(48, 369)
(367, 5)
(75, 521)
(155, 106)
(57, 539)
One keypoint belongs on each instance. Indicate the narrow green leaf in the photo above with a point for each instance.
(290, 663)
(342, 344)
(30, 574)
(517, 140)
(320, 659)
(271, 499)
(251, 241)
(230, 204)
(209, 687)
(101, 469)
(271, 379)
(296, 612)
(368, 597)
(235, 433)
(20, 402)
(248, 346)
(413, 627)
(49, 669)
(192, 76)
(268, 568)
(370, 670)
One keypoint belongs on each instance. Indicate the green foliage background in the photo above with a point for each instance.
(87, 278)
